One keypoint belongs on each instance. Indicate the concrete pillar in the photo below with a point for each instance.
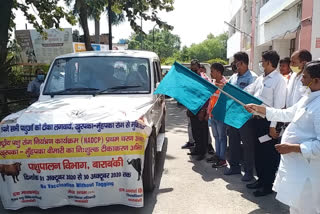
(306, 25)
(253, 35)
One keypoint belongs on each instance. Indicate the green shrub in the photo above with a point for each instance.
(21, 75)
(217, 60)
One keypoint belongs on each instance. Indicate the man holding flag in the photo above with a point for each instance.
(271, 89)
(241, 79)
(297, 183)
(189, 89)
(195, 67)
(199, 124)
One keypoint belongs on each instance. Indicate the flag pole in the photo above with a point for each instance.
(238, 101)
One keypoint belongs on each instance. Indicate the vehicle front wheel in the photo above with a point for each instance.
(149, 164)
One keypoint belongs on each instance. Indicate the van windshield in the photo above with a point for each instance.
(91, 75)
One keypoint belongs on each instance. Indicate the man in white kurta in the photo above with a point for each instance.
(298, 179)
(295, 89)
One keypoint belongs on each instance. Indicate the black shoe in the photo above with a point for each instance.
(220, 164)
(188, 145)
(263, 192)
(255, 185)
(213, 159)
(200, 157)
(193, 153)
(211, 152)
(233, 171)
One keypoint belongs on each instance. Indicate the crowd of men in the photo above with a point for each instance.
(258, 145)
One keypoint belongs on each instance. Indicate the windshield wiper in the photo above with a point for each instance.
(117, 88)
(72, 89)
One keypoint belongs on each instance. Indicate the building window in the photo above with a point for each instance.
(263, 2)
(299, 11)
(292, 46)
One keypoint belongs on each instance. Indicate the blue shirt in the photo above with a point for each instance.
(34, 87)
(243, 80)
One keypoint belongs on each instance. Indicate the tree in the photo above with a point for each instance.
(163, 42)
(133, 10)
(113, 19)
(95, 10)
(211, 48)
(48, 12)
(50, 15)
(84, 9)
(184, 54)
(148, 10)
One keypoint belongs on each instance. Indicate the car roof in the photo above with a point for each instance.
(127, 53)
(166, 66)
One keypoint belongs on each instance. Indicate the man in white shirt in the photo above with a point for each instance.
(295, 89)
(297, 183)
(271, 89)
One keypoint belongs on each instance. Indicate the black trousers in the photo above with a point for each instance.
(247, 135)
(200, 132)
(267, 158)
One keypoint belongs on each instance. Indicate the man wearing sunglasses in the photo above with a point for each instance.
(241, 79)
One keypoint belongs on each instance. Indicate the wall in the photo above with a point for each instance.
(257, 58)
(235, 6)
(282, 47)
(246, 24)
(280, 26)
(306, 25)
(273, 8)
(233, 44)
(315, 30)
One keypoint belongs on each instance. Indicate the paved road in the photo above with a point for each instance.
(183, 185)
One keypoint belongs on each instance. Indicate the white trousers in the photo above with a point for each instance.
(305, 204)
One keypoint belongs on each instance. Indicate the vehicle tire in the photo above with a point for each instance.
(148, 176)
(163, 124)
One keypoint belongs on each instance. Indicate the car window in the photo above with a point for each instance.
(99, 73)
(155, 74)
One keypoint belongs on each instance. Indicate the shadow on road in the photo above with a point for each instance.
(149, 203)
(205, 170)
(267, 204)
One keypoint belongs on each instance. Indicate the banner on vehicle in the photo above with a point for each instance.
(88, 164)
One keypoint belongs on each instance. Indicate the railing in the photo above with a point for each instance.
(13, 100)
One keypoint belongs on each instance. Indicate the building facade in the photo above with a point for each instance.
(280, 25)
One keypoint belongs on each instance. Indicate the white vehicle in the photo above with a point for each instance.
(113, 87)
(165, 69)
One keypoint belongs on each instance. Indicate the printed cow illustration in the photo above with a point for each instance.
(10, 169)
(136, 164)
